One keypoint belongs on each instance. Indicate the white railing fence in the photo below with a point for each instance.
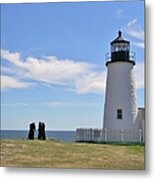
(109, 135)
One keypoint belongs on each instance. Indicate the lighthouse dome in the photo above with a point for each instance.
(120, 51)
(120, 39)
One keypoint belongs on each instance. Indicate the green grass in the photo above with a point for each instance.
(55, 154)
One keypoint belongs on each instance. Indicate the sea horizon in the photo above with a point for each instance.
(62, 135)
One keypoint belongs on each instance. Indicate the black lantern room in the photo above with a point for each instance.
(120, 50)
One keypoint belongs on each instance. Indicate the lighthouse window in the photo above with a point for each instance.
(119, 114)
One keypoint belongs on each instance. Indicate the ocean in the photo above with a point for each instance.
(68, 136)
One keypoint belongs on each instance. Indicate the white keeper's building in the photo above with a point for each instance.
(123, 121)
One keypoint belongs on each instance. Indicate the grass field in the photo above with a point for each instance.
(55, 154)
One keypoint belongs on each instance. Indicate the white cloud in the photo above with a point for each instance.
(78, 76)
(13, 58)
(133, 29)
(15, 105)
(8, 82)
(70, 104)
(55, 104)
(138, 44)
(92, 82)
(120, 13)
(51, 70)
(56, 71)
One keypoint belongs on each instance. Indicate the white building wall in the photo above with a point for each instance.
(140, 121)
(120, 94)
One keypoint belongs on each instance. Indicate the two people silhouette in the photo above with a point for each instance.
(41, 131)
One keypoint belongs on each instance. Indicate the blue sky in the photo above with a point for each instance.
(53, 60)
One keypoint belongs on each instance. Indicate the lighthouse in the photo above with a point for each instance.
(123, 121)
(120, 109)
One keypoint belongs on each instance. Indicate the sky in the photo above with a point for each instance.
(53, 60)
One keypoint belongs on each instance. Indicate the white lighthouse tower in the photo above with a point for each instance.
(123, 121)
(120, 109)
